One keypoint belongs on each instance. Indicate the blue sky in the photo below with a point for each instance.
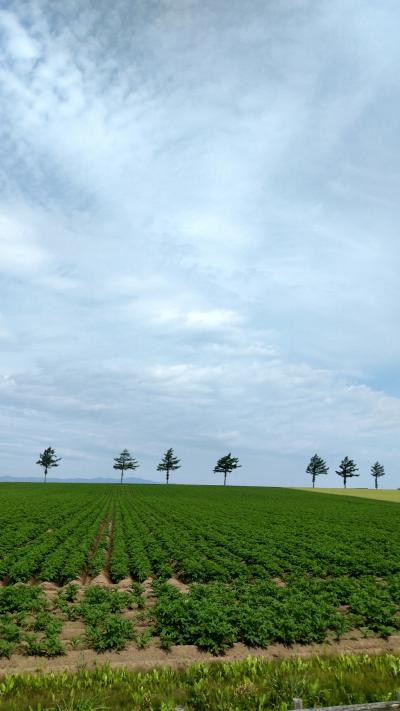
(199, 242)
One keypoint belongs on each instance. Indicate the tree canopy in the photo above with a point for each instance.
(316, 467)
(347, 469)
(124, 462)
(377, 470)
(169, 463)
(48, 460)
(226, 465)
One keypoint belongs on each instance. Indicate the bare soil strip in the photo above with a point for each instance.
(153, 656)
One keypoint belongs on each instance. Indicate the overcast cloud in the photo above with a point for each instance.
(199, 245)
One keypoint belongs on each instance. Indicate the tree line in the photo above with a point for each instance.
(347, 469)
(125, 462)
(225, 465)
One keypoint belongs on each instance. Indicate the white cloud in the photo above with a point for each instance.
(19, 44)
(19, 251)
(198, 223)
(210, 319)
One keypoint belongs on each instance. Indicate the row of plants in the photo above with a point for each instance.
(263, 566)
(27, 512)
(261, 533)
(26, 624)
(199, 535)
(213, 616)
(305, 611)
(60, 554)
(32, 624)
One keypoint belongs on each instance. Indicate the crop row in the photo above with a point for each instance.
(58, 554)
(163, 533)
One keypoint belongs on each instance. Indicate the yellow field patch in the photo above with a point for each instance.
(379, 494)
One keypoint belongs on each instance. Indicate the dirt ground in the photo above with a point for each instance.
(153, 656)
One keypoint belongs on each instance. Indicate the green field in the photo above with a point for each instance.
(221, 565)
(378, 494)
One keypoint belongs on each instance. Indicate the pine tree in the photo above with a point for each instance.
(226, 465)
(377, 470)
(169, 463)
(125, 461)
(347, 469)
(48, 460)
(316, 467)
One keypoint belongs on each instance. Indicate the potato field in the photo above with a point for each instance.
(178, 565)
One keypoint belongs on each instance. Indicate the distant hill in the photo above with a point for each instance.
(76, 480)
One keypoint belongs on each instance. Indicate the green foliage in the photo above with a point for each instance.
(377, 470)
(144, 639)
(110, 632)
(48, 460)
(215, 616)
(169, 463)
(250, 684)
(226, 465)
(48, 646)
(6, 648)
(347, 470)
(101, 608)
(316, 467)
(262, 565)
(125, 462)
(119, 562)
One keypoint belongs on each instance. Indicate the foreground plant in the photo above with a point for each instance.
(248, 684)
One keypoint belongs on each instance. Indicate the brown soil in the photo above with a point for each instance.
(150, 599)
(50, 589)
(71, 629)
(125, 583)
(179, 585)
(152, 656)
(77, 581)
(102, 579)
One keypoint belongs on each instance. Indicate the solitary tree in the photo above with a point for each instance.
(226, 465)
(316, 467)
(125, 461)
(347, 469)
(377, 470)
(48, 460)
(168, 463)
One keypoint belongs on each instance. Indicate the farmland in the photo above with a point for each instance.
(378, 494)
(128, 566)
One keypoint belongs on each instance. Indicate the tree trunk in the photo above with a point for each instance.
(167, 476)
(224, 478)
(376, 482)
(345, 482)
(45, 474)
(122, 474)
(313, 481)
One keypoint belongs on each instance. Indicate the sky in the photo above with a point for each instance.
(199, 236)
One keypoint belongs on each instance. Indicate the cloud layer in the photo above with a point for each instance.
(198, 235)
